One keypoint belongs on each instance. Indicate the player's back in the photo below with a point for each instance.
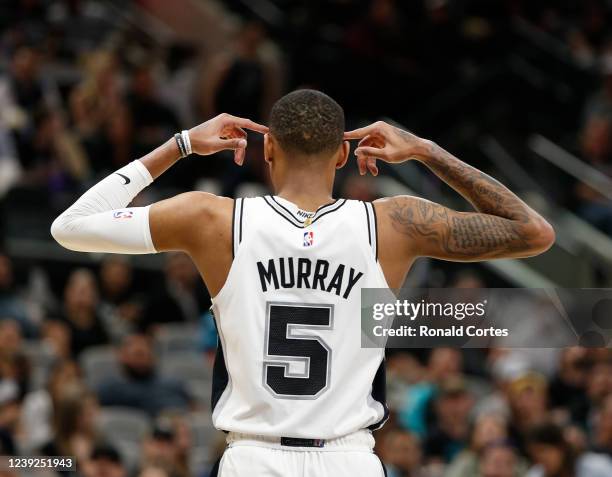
(290, 362)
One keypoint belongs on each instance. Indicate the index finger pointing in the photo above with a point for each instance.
(248, 124)
(362, 132)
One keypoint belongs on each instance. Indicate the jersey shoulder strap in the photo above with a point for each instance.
(237, 216)
(370, 214)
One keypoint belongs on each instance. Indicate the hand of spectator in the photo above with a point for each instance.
(387, 143)
(223, 132)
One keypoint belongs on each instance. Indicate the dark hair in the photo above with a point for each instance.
(307, 122)
(105, 451)
(550, 434)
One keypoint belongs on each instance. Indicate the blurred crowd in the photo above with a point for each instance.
(499, 413)
(118, 374)
(112, 363)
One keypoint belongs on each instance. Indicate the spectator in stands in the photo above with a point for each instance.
(9, 416)
(104, 461)
(55, 334)
(74, 430)
(554, 457)
(528, 400)
(153, 471)
(568, 386)
(57, 162)
(597, 151)
(443, 363)
(602, 432)
(118, 297)
(402, 454)
(25, 91)
(11, 305)
(100, 114)
(159, 450)
(38, 405)
(599, 384)
(48, 152)
(182, 297)
(152, 121)
(449, 431)
(140, 385)
(245, 79)
(486, 430)
(499, 459)
(183, 440)
(116, 280)
(80, 313)
(14, 364)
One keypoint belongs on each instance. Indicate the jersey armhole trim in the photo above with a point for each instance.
(237, 225)
(372, 228)
(375, 231)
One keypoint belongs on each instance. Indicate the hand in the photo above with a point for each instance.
(223, 132)
(387, 143)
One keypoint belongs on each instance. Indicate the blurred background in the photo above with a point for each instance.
(108, 358)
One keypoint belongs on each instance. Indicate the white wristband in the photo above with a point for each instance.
(186, 141)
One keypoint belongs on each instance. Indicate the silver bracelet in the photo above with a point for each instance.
(186, 141)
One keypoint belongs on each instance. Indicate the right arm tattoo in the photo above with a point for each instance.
(485, 193)
(439, 232)
(503, 227)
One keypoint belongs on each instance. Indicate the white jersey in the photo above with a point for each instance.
(290, 361)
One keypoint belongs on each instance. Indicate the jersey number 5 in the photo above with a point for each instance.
(286, 344)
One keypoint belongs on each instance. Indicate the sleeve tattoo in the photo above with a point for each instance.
(455, 234)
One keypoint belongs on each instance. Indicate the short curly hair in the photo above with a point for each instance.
(307, 122)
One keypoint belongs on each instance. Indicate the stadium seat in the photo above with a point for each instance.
(98, 364)
(177, 337)
(41, 360)
(120, 424)
(130, 455)
(187, 366)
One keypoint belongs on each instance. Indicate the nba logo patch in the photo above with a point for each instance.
(308, 239)
(123, 214)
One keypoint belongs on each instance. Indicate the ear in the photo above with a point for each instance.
(343, 154)
(268, 148)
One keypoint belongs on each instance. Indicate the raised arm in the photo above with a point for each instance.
(101, 221)
(503, 226)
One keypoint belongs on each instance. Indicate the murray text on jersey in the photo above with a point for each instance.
(293, 272)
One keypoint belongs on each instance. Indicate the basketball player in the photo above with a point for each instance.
(296, 393)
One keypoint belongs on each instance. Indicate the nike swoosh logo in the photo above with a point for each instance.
(126, 178)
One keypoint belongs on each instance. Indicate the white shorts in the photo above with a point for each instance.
(258, 456)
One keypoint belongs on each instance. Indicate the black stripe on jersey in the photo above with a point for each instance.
(341, 202)
(318, 212)
(379, 393)
(233, 224)
(365, 206)
(289, 217)
(375, 231)
(289, 213)
(241, 211)
(372, 228)
(237, 225)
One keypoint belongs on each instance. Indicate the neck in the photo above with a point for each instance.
(307, 191)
